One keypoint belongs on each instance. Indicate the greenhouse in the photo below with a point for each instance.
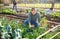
(29, 19)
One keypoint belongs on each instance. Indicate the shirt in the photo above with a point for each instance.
(35, 18)
(48, 11)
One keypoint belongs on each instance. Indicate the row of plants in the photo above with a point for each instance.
(26, 31)
(42, 12)
(11, 11)
(8, 11)
(55, 14)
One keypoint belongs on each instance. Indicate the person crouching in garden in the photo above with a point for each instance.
(15, 5)
(33, 18)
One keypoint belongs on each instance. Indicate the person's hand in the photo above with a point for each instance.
(31, 26)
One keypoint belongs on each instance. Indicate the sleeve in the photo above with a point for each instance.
(29, 17)
(39, 17)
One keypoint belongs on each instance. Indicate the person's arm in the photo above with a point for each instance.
(29, 19)
(39, 17)
(48, 11)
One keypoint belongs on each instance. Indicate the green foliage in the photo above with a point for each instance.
(8, 11)
(49, 35)
(1, 7)
(58, 14)
(27, 10)
(27, 32)
(44, 22)
(32, 33)
(55, 14)
(57, 37)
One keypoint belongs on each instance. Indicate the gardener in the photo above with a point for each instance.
(33, 18)
(48, 11)
(14, 5)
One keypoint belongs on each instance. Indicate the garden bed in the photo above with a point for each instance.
(26, 31)
(46, 23)
(56, 19)
(23, 17)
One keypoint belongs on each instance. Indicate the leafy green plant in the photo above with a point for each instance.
(32, 33)
(55, 14)
(44, 22)
(8, 11)
(27, 32)
(27, 10)
(57, 37)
